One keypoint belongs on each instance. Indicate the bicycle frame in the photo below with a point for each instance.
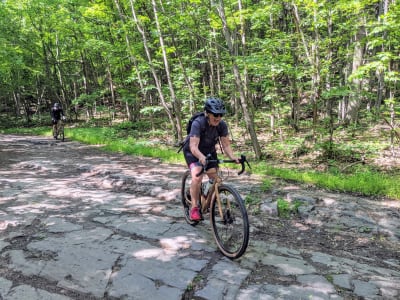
(212, 191)
(217, 182)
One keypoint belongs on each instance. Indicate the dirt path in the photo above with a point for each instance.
(79, 223)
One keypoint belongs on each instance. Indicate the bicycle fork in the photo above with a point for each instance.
(225, 217)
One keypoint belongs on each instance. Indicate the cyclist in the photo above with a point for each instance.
(57, 114)
(205, 132)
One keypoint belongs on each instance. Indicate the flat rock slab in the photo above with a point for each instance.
(79, 223)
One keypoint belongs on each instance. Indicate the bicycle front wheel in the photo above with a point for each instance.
(230, 222)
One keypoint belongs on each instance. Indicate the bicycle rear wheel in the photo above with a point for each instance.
(61, 132)
(231, 231)
(186, 199)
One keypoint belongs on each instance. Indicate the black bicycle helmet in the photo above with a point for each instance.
(214, 105)
(57, 105)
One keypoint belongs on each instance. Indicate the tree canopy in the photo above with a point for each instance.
(334, 61)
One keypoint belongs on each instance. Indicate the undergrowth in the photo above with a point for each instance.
(365, 180)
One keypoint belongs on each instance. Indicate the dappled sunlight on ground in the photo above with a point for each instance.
(90, 225)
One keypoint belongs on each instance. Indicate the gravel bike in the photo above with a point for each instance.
(58, 130)
(228, 214)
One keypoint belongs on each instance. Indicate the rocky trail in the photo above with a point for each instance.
(80, 223)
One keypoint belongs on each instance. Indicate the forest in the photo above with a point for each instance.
(310, 67)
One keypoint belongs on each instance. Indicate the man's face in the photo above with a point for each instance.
(214, 119)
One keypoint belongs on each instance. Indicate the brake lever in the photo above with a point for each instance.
(243, 160)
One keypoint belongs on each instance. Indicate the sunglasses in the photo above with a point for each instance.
(218, 115)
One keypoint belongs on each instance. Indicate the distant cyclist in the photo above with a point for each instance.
(204, 135)
(57, 114)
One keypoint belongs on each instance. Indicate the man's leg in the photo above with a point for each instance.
(55, 130)
(195, 192)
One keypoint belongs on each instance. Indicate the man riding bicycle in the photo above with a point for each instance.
(57, 114)
(205, 132)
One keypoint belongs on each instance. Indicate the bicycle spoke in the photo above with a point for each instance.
(231, 230)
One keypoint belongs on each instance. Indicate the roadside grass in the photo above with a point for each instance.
(32, 130)
(369, 182)
(110, 140)
(365, 181)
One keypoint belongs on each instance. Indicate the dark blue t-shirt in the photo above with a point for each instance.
(208, 135)
(56, 113)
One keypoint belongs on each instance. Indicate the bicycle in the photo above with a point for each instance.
(58, 130)
(228, 214)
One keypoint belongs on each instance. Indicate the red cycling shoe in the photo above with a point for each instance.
(195, 214)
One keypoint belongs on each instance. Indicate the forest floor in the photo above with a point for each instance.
(80, 223)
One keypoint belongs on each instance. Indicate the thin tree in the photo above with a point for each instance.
(248, 117)
(156, 78)
(176, 105)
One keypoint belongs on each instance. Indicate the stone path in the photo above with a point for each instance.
(78, 223)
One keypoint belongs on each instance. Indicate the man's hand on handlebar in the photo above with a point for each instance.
(237, 160)
(203, 160)
(242, 160)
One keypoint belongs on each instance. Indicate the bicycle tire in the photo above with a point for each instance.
(62, 132)
(185, 197)
(231, 233)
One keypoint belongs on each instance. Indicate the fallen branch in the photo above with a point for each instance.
(362, 161)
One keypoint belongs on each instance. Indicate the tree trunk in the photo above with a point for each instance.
(294, 104)
(353, 105)
(187, 79)
(131, 111)
(248, 117)
(111, 86)
(295, 95)
(176, 105)
(329, 78)
(381, 90)
(313, 59)
(392, 122)
(152, 68)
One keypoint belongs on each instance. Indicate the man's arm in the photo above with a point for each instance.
(194, 148)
